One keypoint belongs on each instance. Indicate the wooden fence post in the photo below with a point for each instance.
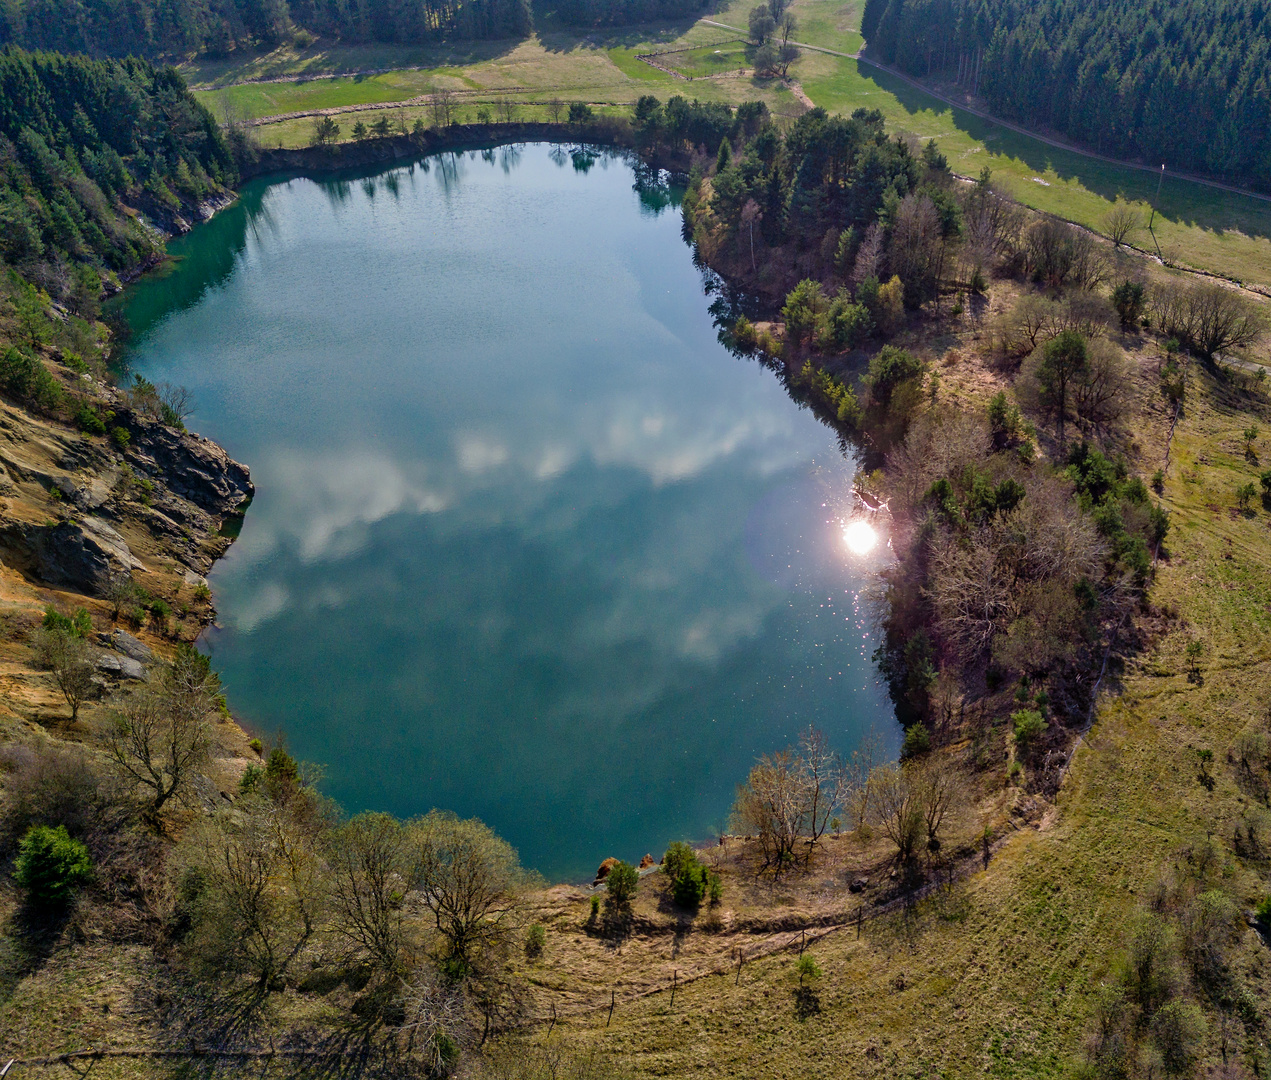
(613, 997)
(740, 957)
(675, 982)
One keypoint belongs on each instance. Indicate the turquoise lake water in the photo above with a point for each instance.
(528, 542)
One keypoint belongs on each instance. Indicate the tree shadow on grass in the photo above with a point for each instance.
(1187, 203)
(556, 36)
(807, 1002)
(30, 937)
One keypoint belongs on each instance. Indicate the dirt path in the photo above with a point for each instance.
(422, 99)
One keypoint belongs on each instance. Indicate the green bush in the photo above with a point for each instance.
(807, 968)
(745, 337)
(1129, 299)
(50, 865)
(1027, 725)
(25, 377)
(87, 420)
(535, 941)
(79, 624)
(120, 437)
(688, 877)
(804, 304)
(621, 885)
(842, 325)
(579, 113)
(917, 741)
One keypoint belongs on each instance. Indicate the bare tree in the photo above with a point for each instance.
(993, 222)
(787, 54)
(900, 810)
(935, 783)
(1208, 317)
(442, 106)
(1099, 393)
(369, 862)
(917, 245)
(555, 109)
(1121, 221)
(176, 404)
(258, 887)
(869, 256)
(1058, 255)
(855, 794)
(771, 804)
(1029, 322)
(67, 657)
(507, 109)
(821, 769)
(470, 879)
(161, 738)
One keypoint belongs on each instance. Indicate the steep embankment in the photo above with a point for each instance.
(81, 515)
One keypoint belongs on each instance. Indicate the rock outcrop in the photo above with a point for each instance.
(83, 555)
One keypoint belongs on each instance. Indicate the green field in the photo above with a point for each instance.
(1195, 226)
(708, 60)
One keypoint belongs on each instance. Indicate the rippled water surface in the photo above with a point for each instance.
(528, 542)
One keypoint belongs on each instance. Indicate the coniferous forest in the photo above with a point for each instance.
(1184, 84)
(82, 139)
(152, 29)
(147, 28)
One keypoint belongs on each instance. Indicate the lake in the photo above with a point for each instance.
(528, 542)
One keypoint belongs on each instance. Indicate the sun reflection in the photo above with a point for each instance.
(860, 537)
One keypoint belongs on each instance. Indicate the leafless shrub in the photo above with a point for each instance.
(1121, 221)
(940, 442)
(51, 784)
(1059, 255)
(1099, 394)
(437, 1022)
(1207, 317)
(975, 579)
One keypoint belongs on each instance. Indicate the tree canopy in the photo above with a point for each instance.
(150, 28)
(79, 140)
(1185, 84)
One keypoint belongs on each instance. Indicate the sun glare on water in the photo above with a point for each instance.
(860, 537)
